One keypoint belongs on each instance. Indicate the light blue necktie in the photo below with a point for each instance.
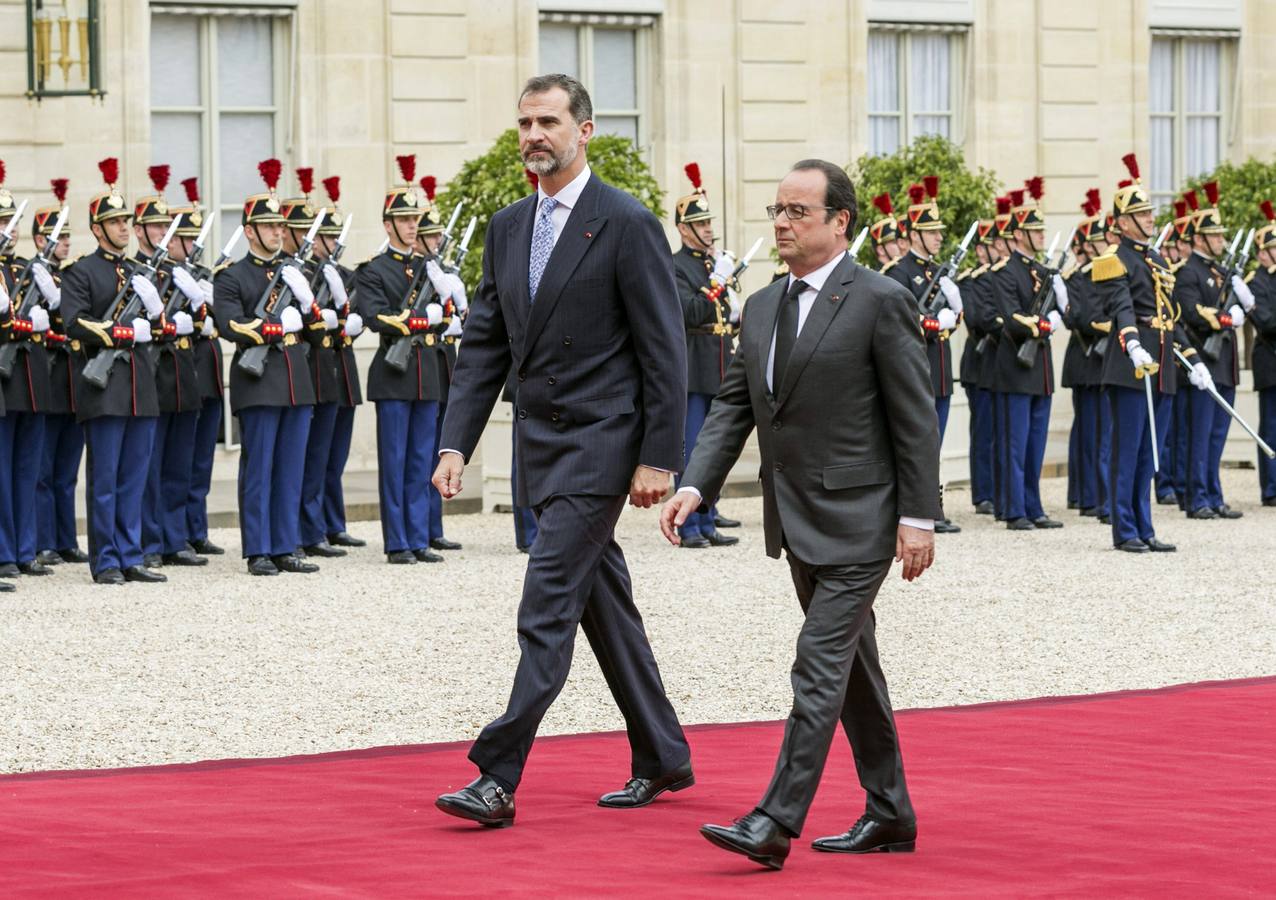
(542, 245)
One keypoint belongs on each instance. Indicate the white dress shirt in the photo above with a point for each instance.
(567, 198)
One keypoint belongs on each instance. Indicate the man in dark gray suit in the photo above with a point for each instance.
(578, 293)
(831, 369)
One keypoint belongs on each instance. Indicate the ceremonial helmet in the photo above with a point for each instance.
(298, 211)
(190, 216)
(1131, 196)
(1209, 220)
(1027, 205)
(333, 217)
(1265, 237)
(7, 206)
(110, 203)
(1014, 200)
(431, 220)
(402, 200)
(1185, 217)
(887, 227)
(264, 209)
(693, 207)
(47, 216)
(1095, 226)
(985, 231)
(153, 208)
(1003, 223)
(923, 209)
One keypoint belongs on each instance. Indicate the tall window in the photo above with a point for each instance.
(912, 84)
(217, 104)
(1188, 87)
(610, 56)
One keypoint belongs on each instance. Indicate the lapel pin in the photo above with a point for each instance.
(833, 298)
(589, 234)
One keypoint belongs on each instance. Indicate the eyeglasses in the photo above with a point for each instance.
(794, 211)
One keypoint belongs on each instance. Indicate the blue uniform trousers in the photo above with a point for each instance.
(1218, 440)
(59, 472)
(1130, 471)
(117, 461)
(1027, 421)
(436, 499)
(22, 443)
(1209, 424)
(313, 526)
(168, 483)
(208, 427)
(272, 458)
(1267, 431)
(1091, 427)
(405, 457)
(525, 526)
(981, 486)
(1074, 452)
(997, 401)
(1169, 477)
(334, 498)
(697, 523)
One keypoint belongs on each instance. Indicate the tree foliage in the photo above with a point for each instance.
(1241, 187)
(496, 179)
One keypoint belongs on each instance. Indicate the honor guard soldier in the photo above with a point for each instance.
(1262, 286)
(63, 435)
(1135, 287)
(884, 233)
(208, 374)
(8, 542)
(1171, 478)
(989, 321)
(164, 529)
(1026, 390)
(392, 288)
(703, 275)
(916, 270)
(264, 301)
(118, 407)
(1203, 297)
(322, 335)
(976, 302)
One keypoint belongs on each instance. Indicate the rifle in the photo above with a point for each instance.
(323, 293)
(10, 230)
(176, 299)
(1233, 265)
(932, 302)
(127, 302)
(26, 291)
(420, 289)
(275, 299)
(858, 242)
(1041, 305)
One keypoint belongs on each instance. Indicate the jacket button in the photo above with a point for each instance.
(553, 380)
(779, 467)
(776, 425)
(567, 341)
(553, 417)
(522, 414)
(522, 376)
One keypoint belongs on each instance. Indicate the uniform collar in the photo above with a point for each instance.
(696, 254)
(258, 261)
(1140, 246)
(108, 255)
(921, 260)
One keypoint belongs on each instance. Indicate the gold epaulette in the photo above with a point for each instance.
(886, 268)
(1000, 264)
(1107, 267)
(224, 266)
(980, 269)
(1250, 276)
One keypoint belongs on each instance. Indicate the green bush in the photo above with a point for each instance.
(1240, 189)
(494, 180)
(964, 195)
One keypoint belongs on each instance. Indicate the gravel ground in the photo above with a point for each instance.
(216, 664)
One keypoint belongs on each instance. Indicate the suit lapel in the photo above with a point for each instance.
(581, 230)
(765, 307)
(520, 237)
(828, 302)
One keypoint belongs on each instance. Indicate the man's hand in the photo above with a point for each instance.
(915, 547)
(674, 513)
(447, 475)
(647, 487)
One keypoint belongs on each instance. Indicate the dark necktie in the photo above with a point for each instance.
(786, 331)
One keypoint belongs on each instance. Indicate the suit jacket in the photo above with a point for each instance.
(850, 440)
(599, 355)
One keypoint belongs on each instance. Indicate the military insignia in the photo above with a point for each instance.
(196, 219)
(6, 200)
(917, 279)
(115, 201)
(272, 204)
(409, 198)
(337, 218)
(161, 207)
(1210, 281)
(308, 210)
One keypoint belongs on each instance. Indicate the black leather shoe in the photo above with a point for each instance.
(109, 576)
(1046, 522)
(444, 544)
(205, 547)
(10, 570)
(483, 801)
(871, 836)
(524, 549)
(757, 836)
(1105, 519)
(344, 539)
(7, 587)
(35, 567)
(641, 791)
(1226, 512)
(720, 540)
(724, 522)
(73, 555)
(1203, 513)
(184, 558)
(425, 555)
(1073, 504)
(1160, 546)
(1167, 500)
(324, 549)
(984, 508)
(286, 562)
(143, 575)
(1090, 512)
(1134, 545)
(945, 526)
(261, 565)
(1020, 525)
(153, 560)
(699, 542)
(48, 558)
(1269, 501)
(401, 558)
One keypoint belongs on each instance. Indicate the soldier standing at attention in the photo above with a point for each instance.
(884, 233)
(1262, 285)
(974, 290)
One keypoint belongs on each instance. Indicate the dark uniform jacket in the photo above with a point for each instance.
(27, 389)
(383, 285)
(973, 285)
(1263, 283)
(984, 322)
(1015, 286)
(286, 381)
(88, 308)
(1199, 296)
(710, 345)
(1089, 330)
(444, 346)
(208, 356)
(349, 393)
(65, 360)
(325, 354)
(173, 355)
(916, 273)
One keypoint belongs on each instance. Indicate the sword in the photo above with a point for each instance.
(1218, 398)
(859, 241)
(1156, 449)
(230, 246)
(464, 246)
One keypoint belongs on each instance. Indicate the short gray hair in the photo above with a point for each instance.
(582, 108)
(840, 193)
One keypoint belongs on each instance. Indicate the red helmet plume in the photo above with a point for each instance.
(429, 184)
(1268, 211)
(2, 171)
(306, 179)
(883, 204)
(1094, 197)
(1131, 165)
(110, 169)
(270, 170)
(1180, 209)
(407, 167)
(1036, 186)
(693, 173)
(191, 186)
(1190, 197)
(1211, 192)
(332, 184)
(917, 193)
(931, 182)
(1124, 183)
(59, 189)
(1016, 198)
(159, 177)
(1003, 206)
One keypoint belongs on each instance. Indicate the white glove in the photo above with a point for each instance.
(39, 319)
(4, 298)
(183, 323)
(457, 292)
(1238, 317)
(736, 307)
(296, 281)
(1055, 320)
(290, 319)
(51, 293)
(1060, 292)
(329, 317)
(207, 287)
(1200, 377)
(454, 329)
(947, 319)
(433, 314)
(150, 296)
(207, 328)
(141, 331)
(951, 292)
(1242, 292)
(354, 325)
(722, 269)
(187, 284)
(336, 286)
(439, 279)
(1138, 355)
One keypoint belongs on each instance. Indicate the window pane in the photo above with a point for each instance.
(615, 69)
(1201, 71)
(931, 125)
(175, 61)
(560, 49)
(245, 61)
(930, 72)
(229, 220)
(883, 135)
(1161, 143)
(1161, 76)
(1200, 146)
(625, 126)
(883, 72)
(245, 139)
(175, 139)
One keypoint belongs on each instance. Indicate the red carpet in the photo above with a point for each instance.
(1168, 793)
